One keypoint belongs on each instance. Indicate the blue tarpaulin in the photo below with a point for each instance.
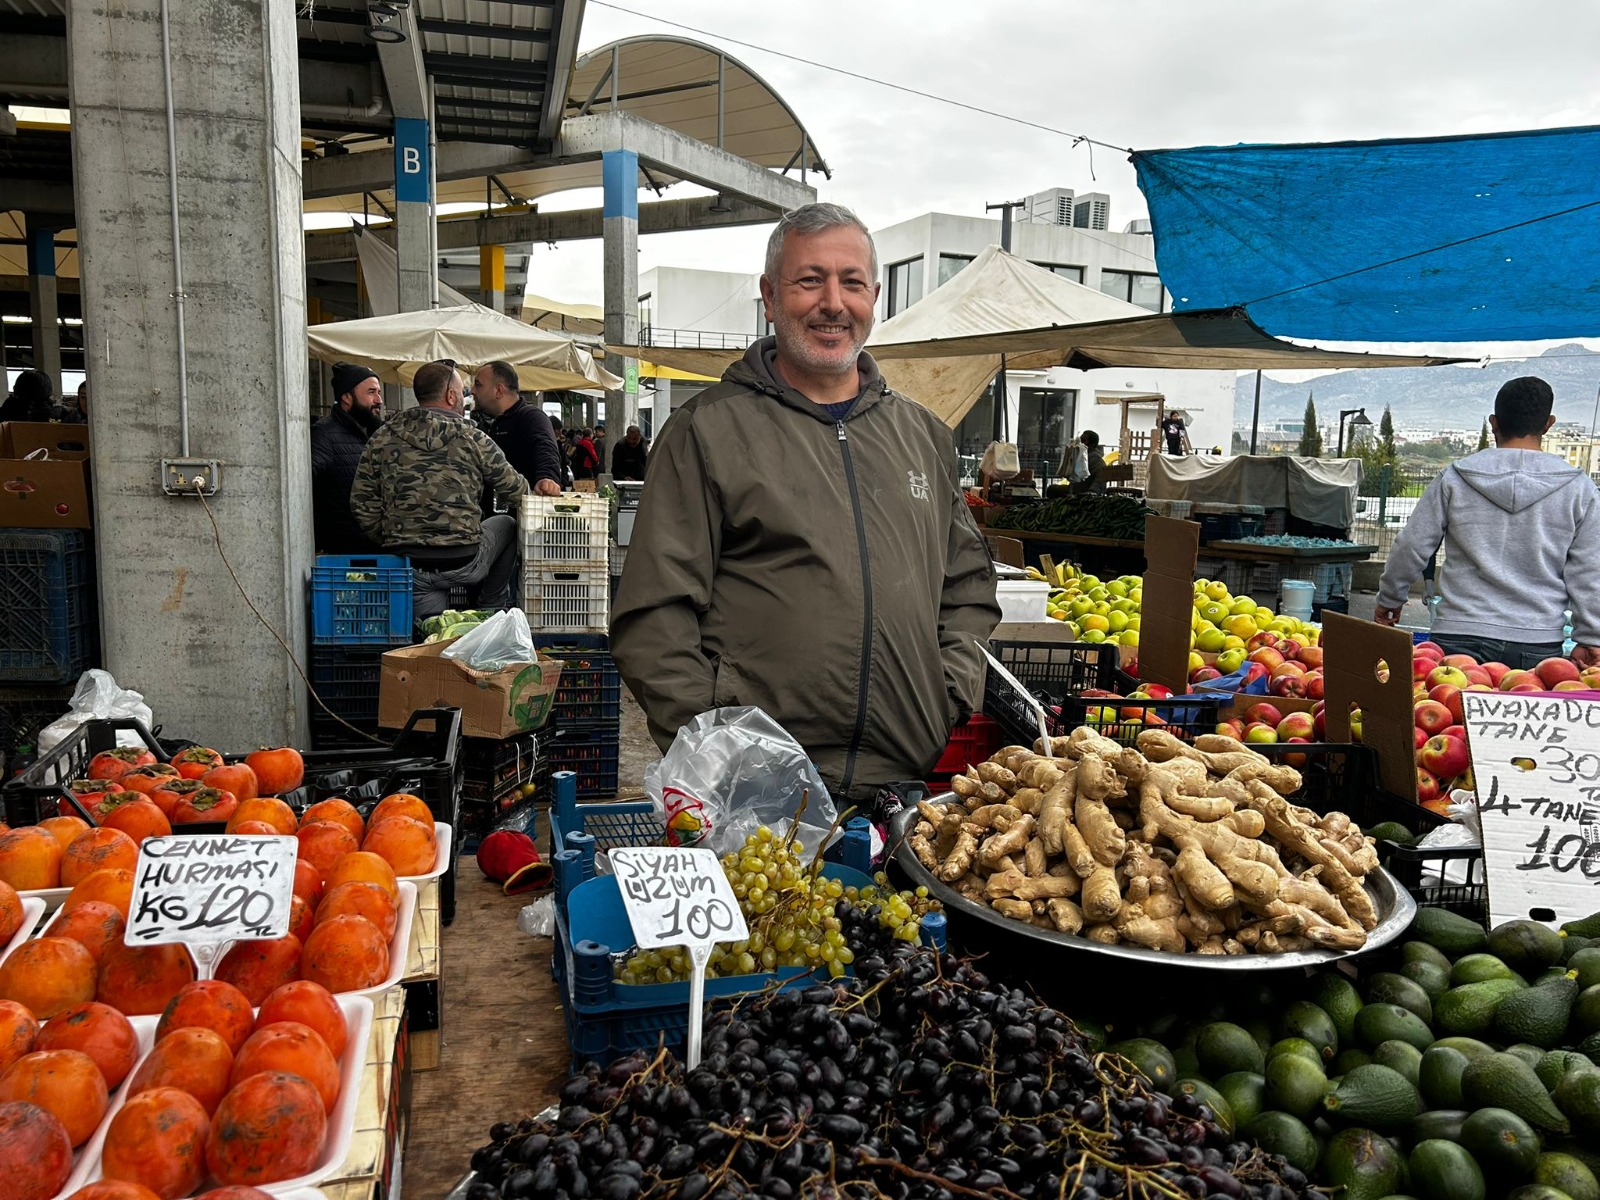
(1460, 239)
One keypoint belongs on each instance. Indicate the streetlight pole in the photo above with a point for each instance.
(999, 387)
(1360, 415)
(1255, 414)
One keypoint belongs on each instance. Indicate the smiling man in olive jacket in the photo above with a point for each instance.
(802, 543)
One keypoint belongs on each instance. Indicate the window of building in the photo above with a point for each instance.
(1062, 269)
(905, 285)
(950, 266)
(1136, 288)
(1046, 418)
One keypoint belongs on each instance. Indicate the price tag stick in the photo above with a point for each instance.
(205, 958)
(699, 957)
(1039, 714)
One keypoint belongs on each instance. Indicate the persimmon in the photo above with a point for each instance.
(116, 762)
(265, 808)
(401, 804)
(234, 1192)
(113, 1189)
(149, 777)
(363, 900)
(365, 867)
(204, 804)
(278, 770)
(313, 1006)
(167, 796)
(193, 1060)
(346, 954)
(96, 925)
(254, 829)
(142, 980)
(35, 1152)
(323, 843)
(408, 846)
(302, 918)
(18, 1028)
(47, 975)
(308, 882)
(98, 850)
(257, 967)
(210, 1004)
(158, 1138)
(237, 778)
(292, 1047)
(268, 1128)
(139, 818)
(10, 913)
(87, 789)
(30, 859)
(111, 885)
(196, 761)
(335, 808)
(65, 1083)
(64, 829)
(97, 1030)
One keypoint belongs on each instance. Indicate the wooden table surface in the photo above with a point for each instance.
(1295, 553)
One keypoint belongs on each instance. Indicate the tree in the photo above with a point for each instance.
(1386, 435)
(1483, 437)
(1311, 434)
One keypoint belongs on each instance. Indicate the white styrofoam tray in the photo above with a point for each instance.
(144, 1029)
(443, 836)
(32, 911)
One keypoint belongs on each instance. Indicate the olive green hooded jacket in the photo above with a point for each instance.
(827, 573)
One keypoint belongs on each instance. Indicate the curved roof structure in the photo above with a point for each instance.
(674, 82)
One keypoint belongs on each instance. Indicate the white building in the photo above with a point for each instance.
(1045, 410)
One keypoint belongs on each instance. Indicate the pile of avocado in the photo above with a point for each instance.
(1466, 1070)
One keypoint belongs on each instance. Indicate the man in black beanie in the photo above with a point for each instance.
(336, 444)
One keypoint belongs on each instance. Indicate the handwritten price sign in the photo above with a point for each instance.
(1536, 763)
(206, 889)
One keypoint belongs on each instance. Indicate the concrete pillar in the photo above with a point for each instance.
(620, 227)
(42, 303)
(175, 625)
(414, 215)
(492, 276)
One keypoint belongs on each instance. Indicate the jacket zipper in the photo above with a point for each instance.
(866, 612)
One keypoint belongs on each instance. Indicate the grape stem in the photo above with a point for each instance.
(899, 1168)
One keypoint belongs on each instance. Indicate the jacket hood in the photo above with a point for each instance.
(422, 428)
(1514, 480)
(755, 370)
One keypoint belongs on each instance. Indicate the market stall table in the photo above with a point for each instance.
(1101, 556)
(1300, 554)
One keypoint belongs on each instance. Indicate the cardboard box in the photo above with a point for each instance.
(493, 704)
(1007, 550)
(1353, 653)
(1167, 609)
(50, 491)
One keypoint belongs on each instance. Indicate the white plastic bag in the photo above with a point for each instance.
(539, 918)
(1080, 464)
(97, 697)
(503, 638)
(1000, 461)
(729, 772)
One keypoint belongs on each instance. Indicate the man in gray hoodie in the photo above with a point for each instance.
(1521, 536)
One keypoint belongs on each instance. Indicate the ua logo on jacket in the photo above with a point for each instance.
(920, 489)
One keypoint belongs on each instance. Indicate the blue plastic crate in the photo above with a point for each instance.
(360, 600)
(47, 612)
(589, 750)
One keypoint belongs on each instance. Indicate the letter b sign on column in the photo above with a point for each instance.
(412, 179)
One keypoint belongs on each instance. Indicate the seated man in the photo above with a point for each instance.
(416, 493)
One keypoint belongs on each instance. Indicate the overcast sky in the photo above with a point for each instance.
(1135, 73)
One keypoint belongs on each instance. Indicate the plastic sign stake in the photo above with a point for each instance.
(208, 889)
(680, 896)
(1038, 709)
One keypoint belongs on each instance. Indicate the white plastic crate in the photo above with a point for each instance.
(571, 600)
(619, 558)
(569, 529)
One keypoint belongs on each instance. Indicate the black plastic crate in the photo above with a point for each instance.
(1124, 720)
(590, 752)
(346, 677)
(1051, 671)
(47, 610)
(24, 711)
(496, 768)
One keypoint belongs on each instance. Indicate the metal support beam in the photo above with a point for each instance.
(33, 65)
(403, 73)
(42, 301)
(565, 23)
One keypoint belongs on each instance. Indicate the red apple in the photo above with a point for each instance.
(1496, 671)
(1157, 691)
(1231, 728)
(1479, 676)
(1319, 720)
(1268, 657)
(1266, 637)
(1511, 678)
(1264, 714)
(1454, 676)
(1456, 731)
(1296, 725)
(1429, 650)
(1203, 675)
(1529, 687)
(1310, 655)
(1421, 735)
(1288, 667)
(1556, 670)
(1260, 732)
(1459, 660)
(1449, 695)
(1287, 685)
(1420, 666)
(1445, 757)
(1591, 676)
(1572, 685)
(1314, 685)
(1427, 786)
(1252, 673)
(1432, 717)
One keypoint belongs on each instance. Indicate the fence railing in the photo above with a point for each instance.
(1385, 501)
(694, 339)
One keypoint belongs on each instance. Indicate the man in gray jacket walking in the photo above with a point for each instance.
(1521, 536)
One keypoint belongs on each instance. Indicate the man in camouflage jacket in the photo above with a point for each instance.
(417, 490)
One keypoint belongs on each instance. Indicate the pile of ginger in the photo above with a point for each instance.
(1170, 846)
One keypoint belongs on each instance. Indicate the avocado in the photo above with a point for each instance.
(1504, 1145)
(1303, 1019)
(1433, 979)
(1363, 1164)
(1152, 1058)
(1337, 997)
(1469, 1009)
(1450, 933)
(1537, 1191)
(1246, 1094)
(1443, 1123)
(1553, 1067)
(1399, 1056)
(1469, 1046)
(1588, 927)
(1378, 1023)
(1391, 831)
(1574, 946)
(1527, 1052)
(1286, 1135)
(1210, 1097)
(1578, 1096)
(1415, 951)
(1538, 1015)
(1439, 1076)
(1295, 1045)
(1590, 1046)
(1505, 1081)
(1475, 968)
(1386, 987)
(1348, 1061)
(1527, 947)
(1586, 963)
(1586, 1010)
(1223, 1047)
(1568, 1174)
(1375, 1096)
(1442, 1170)
(1295, 1085)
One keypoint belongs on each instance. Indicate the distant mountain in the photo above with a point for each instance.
(1428, 397)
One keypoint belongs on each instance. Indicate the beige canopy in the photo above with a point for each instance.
(944, 349)
(471, 335)
(563, 316)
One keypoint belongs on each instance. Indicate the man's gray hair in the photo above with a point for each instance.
(809, 219)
